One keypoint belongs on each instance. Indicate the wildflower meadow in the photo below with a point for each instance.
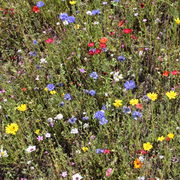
(89, 89)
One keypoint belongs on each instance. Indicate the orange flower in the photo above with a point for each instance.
(24, 89)
(103, 40)
(137, 164)
(121, 23)
(165, 73)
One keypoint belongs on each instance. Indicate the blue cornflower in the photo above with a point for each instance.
(72, 120)
(99, 115)
(129, 85)
(61, 103)
(121, 58)
(67, 97)
(99, 151)
(35, 42)
(92, 92)
(136, 115)
(94, 75)
(61, 84)
(103, 121)
(126, 110)
(40, 4)
(94, 12)
(71, 19)
(50, 87)
(63, 16)
(85, 118)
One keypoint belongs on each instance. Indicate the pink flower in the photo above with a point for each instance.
(64, 174)
(49, 41)
(109, 172)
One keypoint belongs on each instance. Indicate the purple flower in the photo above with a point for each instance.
(82, 70)
(94, 12)
(72, 120)
(40, 4)
(40, 138)
(129, 85)
(67, 97)
(63, 16)
(136, 115)
(50, 87)
(94, 75)
(121, 58)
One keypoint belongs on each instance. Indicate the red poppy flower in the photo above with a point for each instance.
(106, 151)
(168, 139)
(91, 53)
(142, 152)
(165, 73)
(112, 33)
(98, 51)
(102, 45)
(174, 72)
(91, 44)
(121, 23)
(142, 5)
(127, 31)
(35, 9)
(49, 41)
(134, 37)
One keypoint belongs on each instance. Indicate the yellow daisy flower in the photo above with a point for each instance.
(53, 92)
(177, 20)
(133, 102)
(12, 128)
(117, 103)
(84, 149)
(152, 96)
(22, 107)
(171, 94)
(147, 146)
(161, 138)
(170, 135)
(72, 2)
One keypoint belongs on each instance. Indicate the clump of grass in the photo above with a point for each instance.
(94, 97)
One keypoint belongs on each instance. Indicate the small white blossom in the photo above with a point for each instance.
(3, 153)
(74, 131)
(77, 177)
(30, 149)
(89, 13)
(59, 117)
(43, 60)
(48, 135)
(65, 22)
